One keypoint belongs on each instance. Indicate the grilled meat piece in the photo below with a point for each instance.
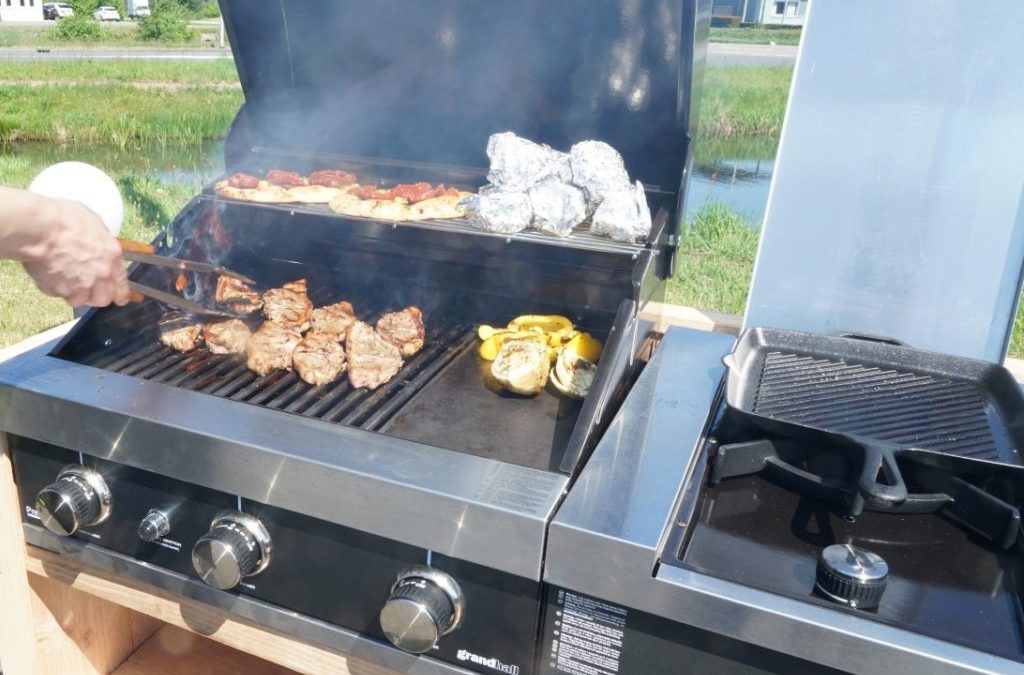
(285, 178)
(319, 359)
(372, 360)
(226, 337)
(180, 331)
(333, 321)
(289, 305)
(403, 329)
(334, 178)
(271, 348)
(237, 296)
(244, 181)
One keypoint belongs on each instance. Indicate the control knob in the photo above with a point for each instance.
(424, 604)
(851, 576)
(237, 546)
(154, 525)
(78, 498)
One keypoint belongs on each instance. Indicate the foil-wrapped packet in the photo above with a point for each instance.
(597, 168)
(624, 215)
(499, 211)
(518, 164)
(557, 207)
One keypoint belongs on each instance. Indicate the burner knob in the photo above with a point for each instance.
(424, 604)
(236, 546)
(154, 525)
(78, 498)
(852, 576)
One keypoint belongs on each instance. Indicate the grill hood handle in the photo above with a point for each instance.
(879, 462)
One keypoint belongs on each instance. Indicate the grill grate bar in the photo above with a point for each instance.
(237, 376)
(216, 367)
(171, 359)
(123, 357)
(144, 363)
(903, 407)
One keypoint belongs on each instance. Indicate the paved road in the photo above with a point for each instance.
(44, 53)
(726, 54)
(719, 54)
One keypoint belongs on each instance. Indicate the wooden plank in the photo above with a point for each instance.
(80, 634)
(196, 616)
(175, 651)
(688, 317)
(17, 654)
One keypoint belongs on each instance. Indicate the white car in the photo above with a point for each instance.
(106, 13)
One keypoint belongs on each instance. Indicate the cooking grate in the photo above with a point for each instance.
(226, 376)
(910, 409)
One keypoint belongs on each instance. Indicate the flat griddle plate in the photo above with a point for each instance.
(464, 410)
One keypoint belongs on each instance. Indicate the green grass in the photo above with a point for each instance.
(117, 115)
(220, 71)
(757, 36)
(740, 101)
(125, 35)
(718, 250)
(149, 205)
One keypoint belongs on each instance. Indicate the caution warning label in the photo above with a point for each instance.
(587, 636)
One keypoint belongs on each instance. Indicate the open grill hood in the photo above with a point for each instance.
(430, 81)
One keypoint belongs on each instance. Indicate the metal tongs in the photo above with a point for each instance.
(145, 254)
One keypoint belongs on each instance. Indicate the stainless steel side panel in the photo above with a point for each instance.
(606, 537)
(897, 203)
(290, 623)
(480, 510)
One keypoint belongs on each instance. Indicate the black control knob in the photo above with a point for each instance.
(154, 525)
(237, 546)
(851, 576)
(424, 604)
(78, 498)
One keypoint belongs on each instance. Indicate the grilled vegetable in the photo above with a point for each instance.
(522, 366)
(493, 344)
(586, 345)
(573, 374)
(554, 325)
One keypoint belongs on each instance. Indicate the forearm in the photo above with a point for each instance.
(26, 225)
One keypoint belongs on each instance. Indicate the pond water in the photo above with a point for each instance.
(171, 164)
(735, 171)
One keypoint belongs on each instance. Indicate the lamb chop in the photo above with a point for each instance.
(333, 321)
(226, 337)
(403, 329)
(289, 305)
(271, 347)
(237, 296)
(372, 360)
(319, 359)
(180, 331)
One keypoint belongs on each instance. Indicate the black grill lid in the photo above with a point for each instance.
(430, 80)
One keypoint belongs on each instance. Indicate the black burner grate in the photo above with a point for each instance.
(226, 376)
(906, 408)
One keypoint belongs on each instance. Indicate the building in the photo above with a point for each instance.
(763, 12)
(12, 11)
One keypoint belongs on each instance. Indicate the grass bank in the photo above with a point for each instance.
(24, 310)
(122, 35)
(757, 36)
(118, 114)
(741, 101)
(219, 71)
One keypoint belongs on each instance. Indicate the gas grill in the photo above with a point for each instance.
(416, 512)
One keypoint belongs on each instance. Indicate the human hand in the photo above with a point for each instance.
(77, 259)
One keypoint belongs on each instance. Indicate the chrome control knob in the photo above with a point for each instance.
(424, 604)
(78, 498)
(154, 525)
(237, 546)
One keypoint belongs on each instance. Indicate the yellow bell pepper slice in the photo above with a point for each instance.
(587, 346)
(548, 323)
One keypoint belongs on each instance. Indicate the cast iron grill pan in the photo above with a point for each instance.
(878, 397)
